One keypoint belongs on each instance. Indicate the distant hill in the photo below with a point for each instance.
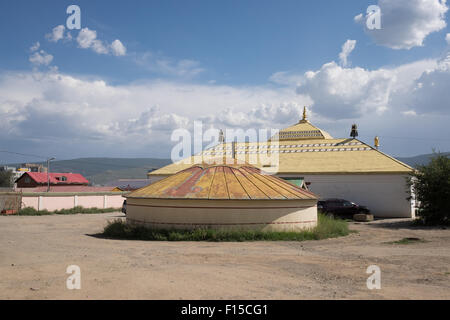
(422, 159)
(102, 170)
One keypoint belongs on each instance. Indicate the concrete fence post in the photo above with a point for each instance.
(40, 199)
(75, 200)
(105, 201)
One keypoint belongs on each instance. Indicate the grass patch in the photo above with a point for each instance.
(33, 212)
(327, 228)
(408, 241)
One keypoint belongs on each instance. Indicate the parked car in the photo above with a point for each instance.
(341, 207)
(124, 206)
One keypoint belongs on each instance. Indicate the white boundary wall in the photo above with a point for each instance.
(52, 201)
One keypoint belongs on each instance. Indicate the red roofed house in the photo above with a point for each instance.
(36, 179)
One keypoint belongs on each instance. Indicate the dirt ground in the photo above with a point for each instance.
(35, 252)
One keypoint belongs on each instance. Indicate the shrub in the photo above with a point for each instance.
(431, 185)
(75, 210)
(28, 211)
(327, 228)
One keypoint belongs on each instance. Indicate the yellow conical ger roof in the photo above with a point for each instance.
(222, 182)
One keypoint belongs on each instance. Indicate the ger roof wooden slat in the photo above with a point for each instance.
(221, 182)
(203, 185)
(261, 185)
(160, 186)
(280, 189)
(184, 188)
(218, 188)
(235, 189)
(252, 190)
(171, 190)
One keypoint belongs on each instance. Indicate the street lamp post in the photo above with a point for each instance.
(48, 173)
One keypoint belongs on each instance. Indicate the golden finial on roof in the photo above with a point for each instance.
(377, 142)
(305, 117)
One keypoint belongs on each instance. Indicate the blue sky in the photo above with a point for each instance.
(224, 62)
(238, 42)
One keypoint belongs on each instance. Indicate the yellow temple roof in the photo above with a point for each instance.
(303, 130)
(302, 149)
(328, 156)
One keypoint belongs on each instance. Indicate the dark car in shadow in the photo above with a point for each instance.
(124, 206)
(340, 208)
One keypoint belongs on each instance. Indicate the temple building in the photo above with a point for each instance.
(344, 168)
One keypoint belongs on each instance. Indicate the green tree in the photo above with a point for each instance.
(6, 179)
(431, 185)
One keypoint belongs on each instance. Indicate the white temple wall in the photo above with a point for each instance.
(384, 194)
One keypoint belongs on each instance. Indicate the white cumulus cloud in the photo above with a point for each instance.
(49, 111)
(158, 63)
(35, 47)
(56, 34)
(345, 93)
(286, 78)
(87, 39)
(347, 48)
(39, 58)
(430, 92)
(410, 113)
(90, 113)
(118, 49)
(359, 17)
(406, 23)
(264, 116)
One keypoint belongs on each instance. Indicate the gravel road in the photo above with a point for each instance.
(36, 250)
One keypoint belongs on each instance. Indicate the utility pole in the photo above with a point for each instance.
(48, 173)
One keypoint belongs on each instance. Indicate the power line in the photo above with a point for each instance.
(409, 138)
(24, 154)
(99, 163)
